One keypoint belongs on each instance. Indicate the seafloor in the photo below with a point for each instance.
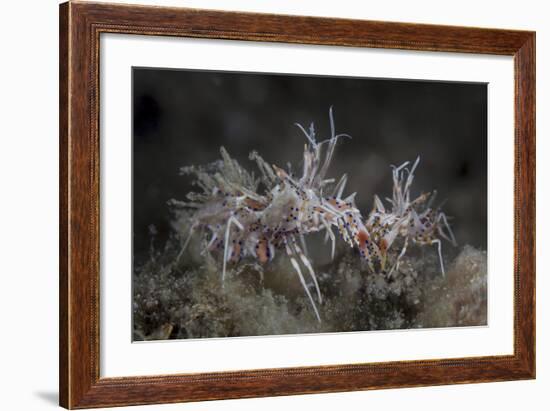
(186, 299)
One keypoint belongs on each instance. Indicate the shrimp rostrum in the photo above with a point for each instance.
(238, 220)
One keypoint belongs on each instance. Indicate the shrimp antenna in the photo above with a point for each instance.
(310, 136)
(332, 127)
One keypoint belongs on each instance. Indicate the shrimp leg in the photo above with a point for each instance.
(451, 236)
(302, 280)
(330, 234)
(401, 254)
(186, 243)
(232, 220)
(307, 263)
(438, 242)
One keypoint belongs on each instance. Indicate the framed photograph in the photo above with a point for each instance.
(259, 205)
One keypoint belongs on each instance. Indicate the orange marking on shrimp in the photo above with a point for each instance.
(383, 245)
(338, 204)
(262, 251)
(235, 256)
(362, 239)
(330, 218)
(280, 172)
(253, 204)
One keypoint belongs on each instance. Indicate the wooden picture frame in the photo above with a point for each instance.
(80, 27)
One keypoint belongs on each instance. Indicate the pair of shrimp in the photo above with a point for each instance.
(240, 221)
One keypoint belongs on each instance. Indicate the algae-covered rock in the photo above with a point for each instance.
(459, 299)
(174, 300)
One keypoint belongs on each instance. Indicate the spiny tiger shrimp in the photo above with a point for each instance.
(413, 220)
(239, 221)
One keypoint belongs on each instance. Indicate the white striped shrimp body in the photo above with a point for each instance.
(411, 219)
(238, 221)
